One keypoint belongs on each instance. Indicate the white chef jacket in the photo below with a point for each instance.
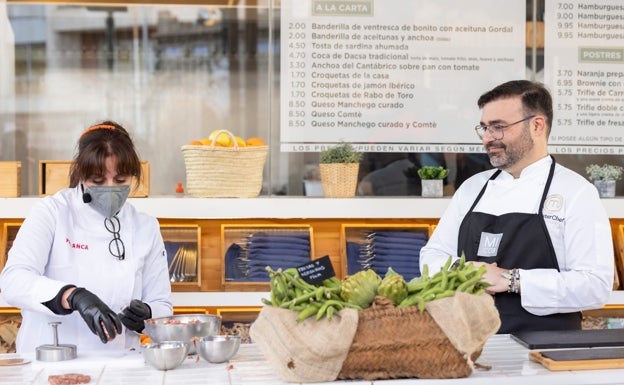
(63, 241)
(576, 221)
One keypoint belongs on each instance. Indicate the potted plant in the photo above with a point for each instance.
(431, 179)
(604, 178)
(339, 166)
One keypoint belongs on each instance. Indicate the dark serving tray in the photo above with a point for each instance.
(553, 339)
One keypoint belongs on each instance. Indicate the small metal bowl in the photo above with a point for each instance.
(166, 355)
(217, 349)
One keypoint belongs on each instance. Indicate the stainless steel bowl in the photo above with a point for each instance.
(217, 349)
(187, 327)
(166, 355)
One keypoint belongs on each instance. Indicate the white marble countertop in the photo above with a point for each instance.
(508, 360)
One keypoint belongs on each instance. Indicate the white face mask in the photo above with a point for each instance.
(107, 200)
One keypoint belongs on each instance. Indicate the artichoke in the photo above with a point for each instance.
(393, 287)
(360, 288)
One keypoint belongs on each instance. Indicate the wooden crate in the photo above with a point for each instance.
(11, 176)
(54, 176)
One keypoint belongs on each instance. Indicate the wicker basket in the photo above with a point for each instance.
(224, 172)
(395, 342)
(339, 180)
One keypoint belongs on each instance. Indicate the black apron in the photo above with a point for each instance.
(514, 240)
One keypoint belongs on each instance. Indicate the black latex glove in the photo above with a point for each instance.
(135, 314)
(99, 317)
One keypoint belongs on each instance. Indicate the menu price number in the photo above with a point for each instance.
(296, 123)
(564, 107)
(565, 12)
(564, 122)
(565, 6)
(297, 45)
(564, 92)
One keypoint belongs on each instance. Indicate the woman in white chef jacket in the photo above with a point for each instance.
(86, 258)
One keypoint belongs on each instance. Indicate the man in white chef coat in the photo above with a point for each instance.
(539, 228)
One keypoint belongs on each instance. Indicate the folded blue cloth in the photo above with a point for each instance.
(261, 267)
(398, 246)
(399, 234)
(278, 245)
(279, 262)
(396, 258)
(271, 253)
(393, 251)
(398, 241)
(353, 256)
(232, 263)
(276, 256)
(265, 238)
(257, 276)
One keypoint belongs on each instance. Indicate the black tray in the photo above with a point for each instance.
(584, 354)
(553, 339)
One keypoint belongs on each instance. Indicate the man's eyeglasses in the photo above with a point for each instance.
(497, 131)
(116, 246)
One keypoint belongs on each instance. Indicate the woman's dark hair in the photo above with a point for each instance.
(535, 97)
(99, 142)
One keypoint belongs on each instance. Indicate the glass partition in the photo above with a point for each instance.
(174, 73)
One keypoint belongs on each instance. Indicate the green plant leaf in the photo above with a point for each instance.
(341, 153)
(432, 172)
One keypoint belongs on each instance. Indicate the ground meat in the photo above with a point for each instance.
(68, 379)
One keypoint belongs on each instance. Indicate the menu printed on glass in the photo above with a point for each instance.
(394, 75)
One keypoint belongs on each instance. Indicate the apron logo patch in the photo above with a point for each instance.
(488, 244)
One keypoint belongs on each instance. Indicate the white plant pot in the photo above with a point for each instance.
(432, 188)
(606, 188)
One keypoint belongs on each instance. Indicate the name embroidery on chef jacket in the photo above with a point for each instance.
(488, 244)
(74, 245)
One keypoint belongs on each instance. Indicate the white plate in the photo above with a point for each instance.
(13, 361)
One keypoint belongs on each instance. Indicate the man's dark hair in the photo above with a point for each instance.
(535, 97)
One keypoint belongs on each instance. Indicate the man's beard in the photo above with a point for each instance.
(512, 153)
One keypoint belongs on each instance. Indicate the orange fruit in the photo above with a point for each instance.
(206, 142)
(145, 339)
(195, 143)
(255, 142)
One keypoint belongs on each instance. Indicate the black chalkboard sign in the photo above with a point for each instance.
(315, 272)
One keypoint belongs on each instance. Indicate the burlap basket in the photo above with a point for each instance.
(339, 180)
(442, 342)
(380, 342)
(224, 172)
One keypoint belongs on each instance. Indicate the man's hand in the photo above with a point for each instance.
(99, 317)
(135, 314)
(494, 276)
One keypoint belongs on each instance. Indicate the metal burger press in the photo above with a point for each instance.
(56, 351)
